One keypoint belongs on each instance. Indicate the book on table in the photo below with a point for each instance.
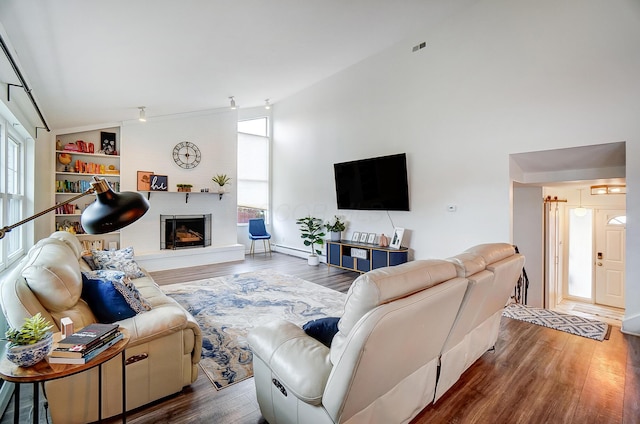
(88, 356)
(78, 351)
(91, 335)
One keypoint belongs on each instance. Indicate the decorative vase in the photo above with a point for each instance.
(313, 260)
(220, 189)
(336, 235)
(28, 355)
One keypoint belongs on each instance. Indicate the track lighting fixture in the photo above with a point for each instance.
(233, 103)
(267, 105)
(143, 115)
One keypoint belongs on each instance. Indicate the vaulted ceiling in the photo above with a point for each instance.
(90, 62)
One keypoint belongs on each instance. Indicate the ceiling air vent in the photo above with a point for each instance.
(419, 46)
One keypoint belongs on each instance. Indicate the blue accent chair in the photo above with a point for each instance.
(257, 231)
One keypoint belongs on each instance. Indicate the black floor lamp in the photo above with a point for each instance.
(109, 212)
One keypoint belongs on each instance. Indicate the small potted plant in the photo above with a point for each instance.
(30, 343)
(335, 227)
(312, 234)
(184, 187)
(222, 180)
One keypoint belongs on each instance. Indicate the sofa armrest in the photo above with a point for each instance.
(300, 362)
(159, 321)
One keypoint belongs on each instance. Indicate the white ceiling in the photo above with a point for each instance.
(93, 62)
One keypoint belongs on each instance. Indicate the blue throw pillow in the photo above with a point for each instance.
(107, 303)
(322, 329)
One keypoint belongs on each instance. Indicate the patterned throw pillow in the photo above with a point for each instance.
(119, 260)
(122, 285)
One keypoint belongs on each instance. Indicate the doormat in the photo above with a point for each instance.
(227, 308)
(579, 326)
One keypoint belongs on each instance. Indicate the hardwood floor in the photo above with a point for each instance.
(535, 375)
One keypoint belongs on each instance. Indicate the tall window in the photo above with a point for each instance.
(253, 169)
(11, 196)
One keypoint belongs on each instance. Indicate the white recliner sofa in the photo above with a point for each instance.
(163, 352)
(385, 363)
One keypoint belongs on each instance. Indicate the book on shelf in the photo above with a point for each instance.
(78, 351)
(89, 336)
(89, 356)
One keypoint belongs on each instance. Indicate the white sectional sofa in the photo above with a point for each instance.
(406, 335)
(162, 354)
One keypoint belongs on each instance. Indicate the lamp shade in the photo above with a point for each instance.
(112, 211)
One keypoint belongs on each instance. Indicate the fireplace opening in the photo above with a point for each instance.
(185, 231)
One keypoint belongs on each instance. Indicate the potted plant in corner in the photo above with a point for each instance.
(335, 227)
(30, 343)
(312, 234)
(222, 180)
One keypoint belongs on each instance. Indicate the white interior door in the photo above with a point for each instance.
(610, 257)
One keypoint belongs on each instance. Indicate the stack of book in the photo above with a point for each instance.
(84, 345)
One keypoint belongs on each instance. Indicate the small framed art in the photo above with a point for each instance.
(159, 183)
(108, 143)
(363, 237)
(371, 239)
(355, 236)
(397, 238)
(144, 180)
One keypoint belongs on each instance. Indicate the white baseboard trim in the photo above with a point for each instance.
(631, 325)
(294, 251)
(182, 258)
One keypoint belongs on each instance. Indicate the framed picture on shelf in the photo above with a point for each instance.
(355, 236)
(371, 239)
(363, 237)
(144, 180)
(108, 143)
(159, 183)
(397, 238)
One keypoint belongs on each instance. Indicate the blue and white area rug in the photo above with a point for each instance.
(228, 307)
(573, 324)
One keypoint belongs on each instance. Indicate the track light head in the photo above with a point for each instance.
(143, 116)
(267, 105)
(232, 103)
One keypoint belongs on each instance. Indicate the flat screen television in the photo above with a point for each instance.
(373, 184)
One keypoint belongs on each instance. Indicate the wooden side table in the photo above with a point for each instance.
(44, 371)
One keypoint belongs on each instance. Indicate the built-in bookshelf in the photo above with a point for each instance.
(78, 157)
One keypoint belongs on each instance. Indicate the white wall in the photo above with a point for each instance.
(502, 77)
(148, 147)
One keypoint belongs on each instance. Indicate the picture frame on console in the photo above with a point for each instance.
(355, 236)
(371, 239)
(396, 240)
(363, 237)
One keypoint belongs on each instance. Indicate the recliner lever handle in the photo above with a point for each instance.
(279, 386)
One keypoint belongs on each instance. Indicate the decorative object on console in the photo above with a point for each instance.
(384, 240)
(312, 234)
(30, 343)
(335, 227)
(398, 233)
(110, 212)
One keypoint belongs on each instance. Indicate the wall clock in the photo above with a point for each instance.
(186, 155)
